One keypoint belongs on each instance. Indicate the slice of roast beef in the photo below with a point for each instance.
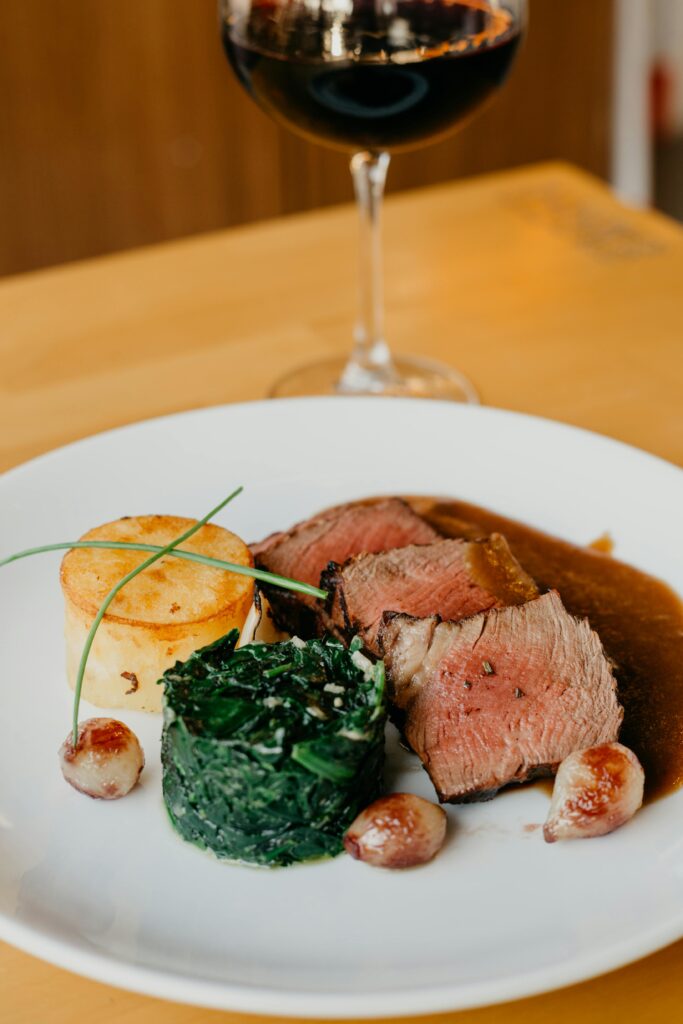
(333, 536)
(450, 578)
(500, 697)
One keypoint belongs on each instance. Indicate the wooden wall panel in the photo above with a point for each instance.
(121, 125)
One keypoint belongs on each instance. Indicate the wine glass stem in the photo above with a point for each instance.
(370, 367)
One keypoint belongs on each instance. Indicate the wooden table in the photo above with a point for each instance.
(554, 299)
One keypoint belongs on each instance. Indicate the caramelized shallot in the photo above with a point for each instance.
(397, 831)
(107, 760)
(252, 622)
(596, 790)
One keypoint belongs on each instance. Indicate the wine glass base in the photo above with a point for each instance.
(416, 378)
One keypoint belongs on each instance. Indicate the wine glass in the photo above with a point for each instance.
(372, 77)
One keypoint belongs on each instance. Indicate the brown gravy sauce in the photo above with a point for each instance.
(639, 620)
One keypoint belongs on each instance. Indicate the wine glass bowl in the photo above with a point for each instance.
(372, 77)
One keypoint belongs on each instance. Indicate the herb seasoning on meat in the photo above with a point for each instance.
(270, 751)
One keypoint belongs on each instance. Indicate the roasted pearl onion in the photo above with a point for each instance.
(596, 790)
(107, 760)
(397, 831)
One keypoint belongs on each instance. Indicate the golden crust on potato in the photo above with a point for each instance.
(160, 617)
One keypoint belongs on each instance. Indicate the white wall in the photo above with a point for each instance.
(632, 147)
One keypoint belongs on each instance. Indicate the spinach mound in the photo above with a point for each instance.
(270, 751)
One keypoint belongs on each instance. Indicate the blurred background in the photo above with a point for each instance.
(122, 125)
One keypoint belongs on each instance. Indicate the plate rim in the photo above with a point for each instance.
(160, 983)
(220, 995)
(471, 409)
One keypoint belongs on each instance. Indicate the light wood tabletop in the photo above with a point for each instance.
(553, 298)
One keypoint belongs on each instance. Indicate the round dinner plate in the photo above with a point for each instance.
(109, 891)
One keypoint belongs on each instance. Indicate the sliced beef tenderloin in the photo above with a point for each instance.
(333, 536)
(500, 697)
(450, 578)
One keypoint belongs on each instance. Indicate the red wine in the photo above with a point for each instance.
(365, 79)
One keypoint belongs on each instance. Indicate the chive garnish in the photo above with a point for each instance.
(488, 668)
(157, 552)
(192, 556)
(467, 684)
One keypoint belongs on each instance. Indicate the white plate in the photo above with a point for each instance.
(109, 891)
